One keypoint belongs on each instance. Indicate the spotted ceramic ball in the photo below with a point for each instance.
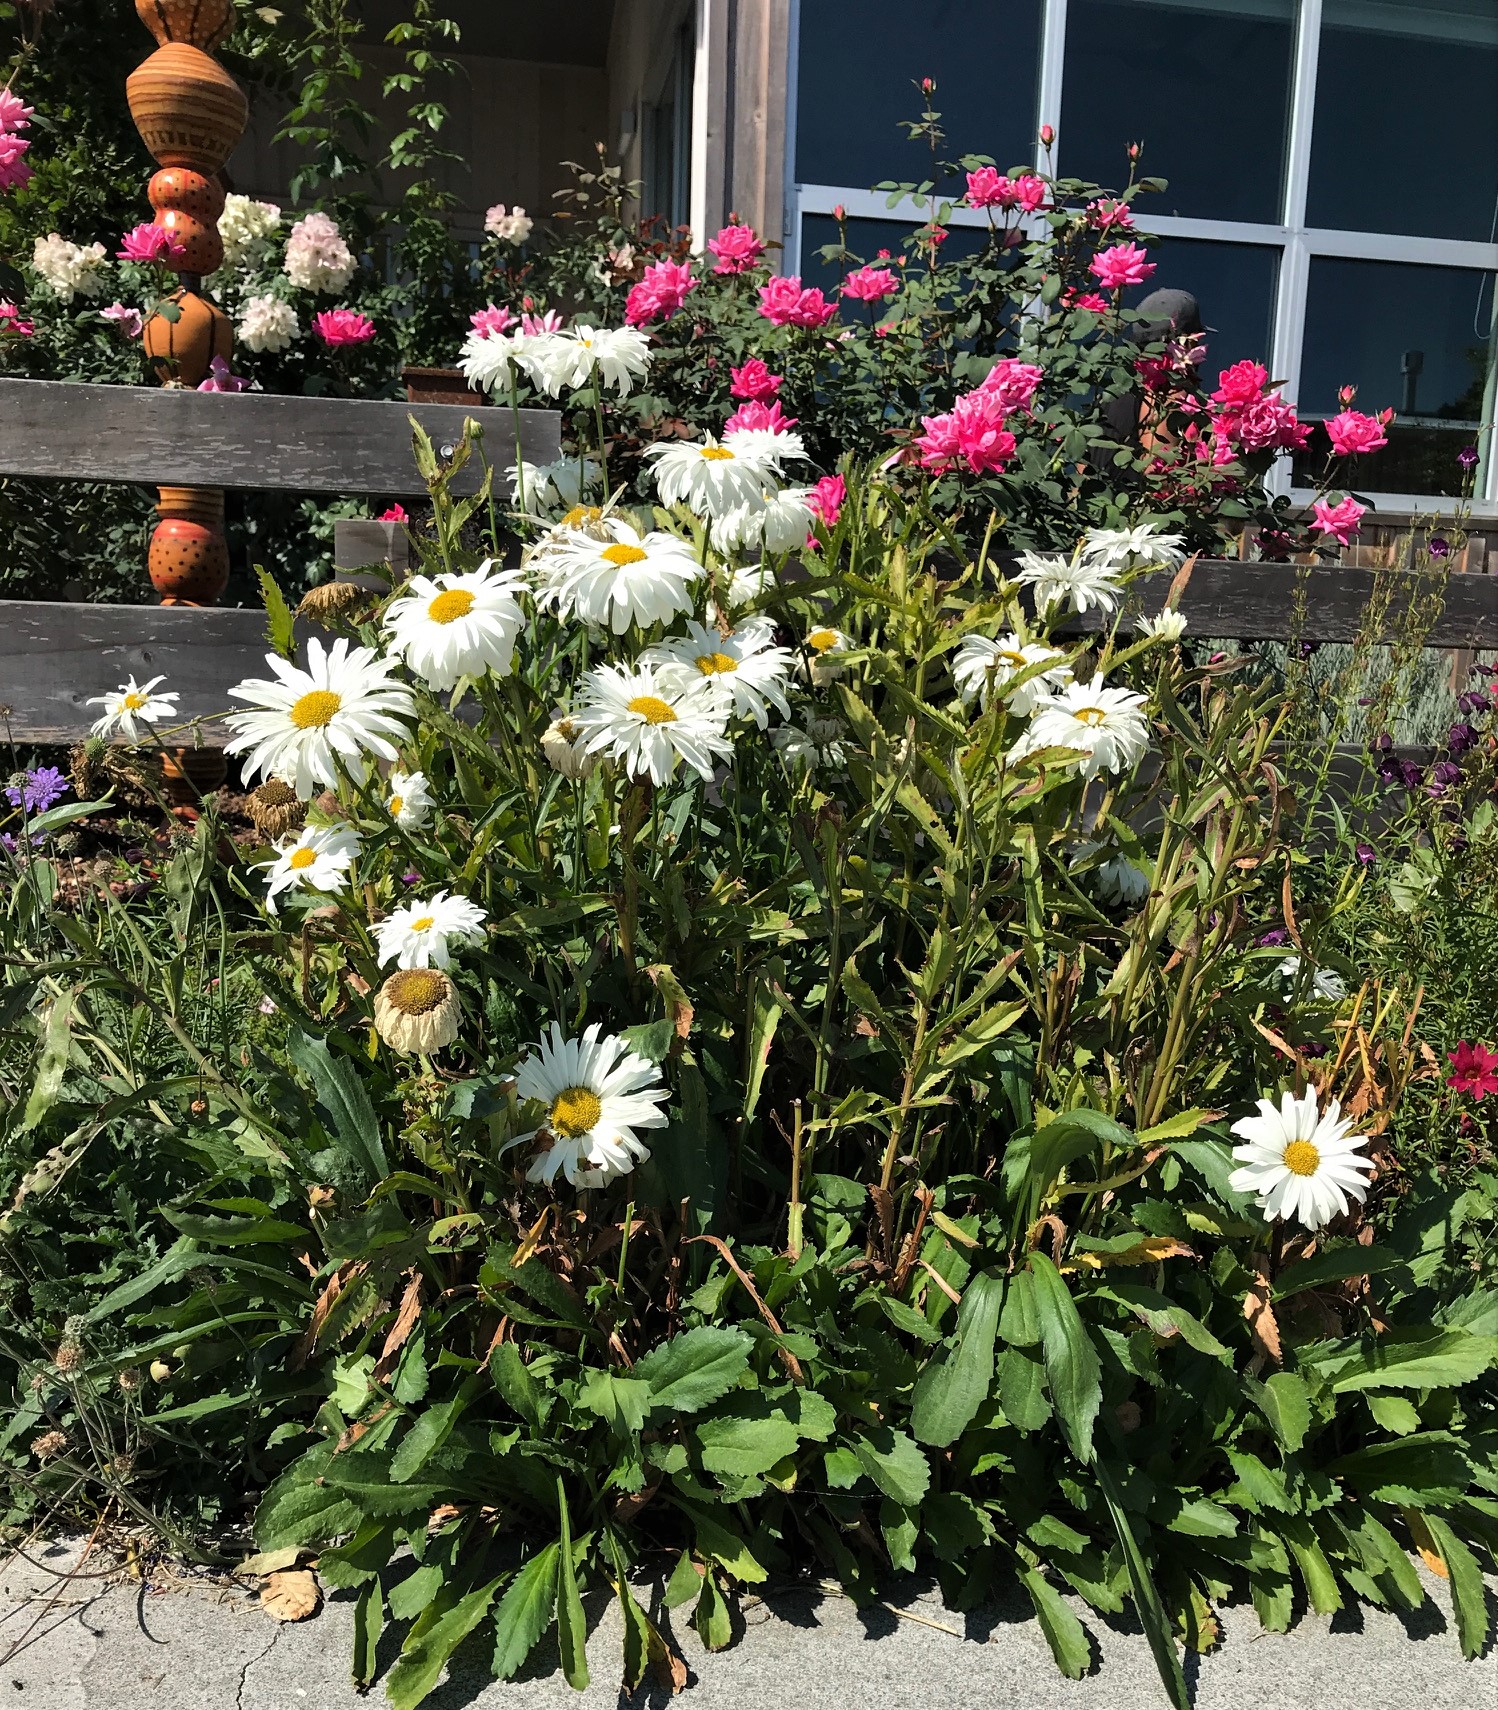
(188, 561)
(188, 192)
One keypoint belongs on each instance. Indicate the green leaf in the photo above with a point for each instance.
(1468, 1595)
(1151, 1612)
(300, 1508)
(620, 1402)
(341, 1093)
(1428, 1467)
(1071, 1363)
(572, 1628)
(1322, 1590)
(1394, 1413)
(710, 1617)
(738, 1447)
(427, 1435)
(1022, 1389)
(684, 1584)
(895, 1464)
(525, 1612)
(415, 1592)
(899, 1528)
(512, 1378)
(1449, 1358)
(1285, 1402)
(369, 1618)
(1061, 1142)
(717, 1539)
(280, 629)
(427, 1650)
(52, 1060)
(956, 1381)
(1331, 1265)
(1064, 1633)
(694, 1369)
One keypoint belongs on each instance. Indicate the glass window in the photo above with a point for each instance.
(667, 186)
(866, 238)
(856, 72)
(1203, 84)
(1234, 284)
(1406, 136)
(1416, 338)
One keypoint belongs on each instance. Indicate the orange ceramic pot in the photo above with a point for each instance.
(203, 23)
(182, 350)
(188, 206)
(187, 108)
(189, 557)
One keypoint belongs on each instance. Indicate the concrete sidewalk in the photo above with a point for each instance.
(119, 1647)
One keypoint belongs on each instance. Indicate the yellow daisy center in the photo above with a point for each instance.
(621, 553)
(1302, 1158)
(820, 640)
(301, 859)
(315, 709)
(580, 514)
(716, 453)
(1012, 658)
(397, 803)
(415, 991)
(424, 924)
(574, 1112)
(450, 605)
(653, 709)
(133, 702)
(1090, 715)
(715, 664)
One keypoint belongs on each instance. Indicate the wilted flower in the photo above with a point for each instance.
(127, 322)
(417, 1009)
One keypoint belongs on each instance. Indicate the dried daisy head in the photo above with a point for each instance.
(275, 809)
(565, 746)
(49, 1445)
(330, 602)
(130, 1380)
(417, 1009)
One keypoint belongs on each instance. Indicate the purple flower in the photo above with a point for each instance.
(1383, 743)
(411, 877)
(1437, 547)
(38, 790)
(1467, 457)
(1409, 774)
(1473, 700)
(1460, 738)
(1366, 854)
(1275, 935)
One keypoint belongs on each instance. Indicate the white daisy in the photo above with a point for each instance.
(744, 669)
(410, 801)
(819, 742)
(1119, 881)
(821, 663)
(710, 478)
(1081, 582)
(596, 1093)
(779, 521)
(648, 723)
(1299, 1162)
(1108, 726)
(744, 585)
(566, 360)
(306, 724)
(417, 934)
(1133, 548)
(563, 484)
(317, 859)
(627, 577)
(1324, 983)
(458, 623)
(495, 362)
(1167, 625)
(132, 706)
(767, 446)
(980, 667)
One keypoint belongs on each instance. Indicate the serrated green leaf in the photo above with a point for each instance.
(1468, 1594)
(572, 1627)
(694, 1369)
(1064, 1633)
(280, 625)
(1073, 1370)
(956, 1381)
(428, 1648)
(894, 1462)
(525, 1612)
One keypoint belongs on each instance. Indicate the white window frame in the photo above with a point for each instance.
(1298, 244)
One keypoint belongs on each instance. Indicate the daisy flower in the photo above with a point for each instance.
(744, 669)
(1133, 548)
(1119, 881)
(496, 362)
(564, 483)
(778, 521)
(1081, 582)
(982, 667)
(1324, 983)
(417, 934)
(458, 623)
(1300, 1162)
(566, 360)
(822, 645)
(410, 801)
(744, 586)
(596, 1092)
(306, 724)
(417, 1009)
(1108, 726)
(648, 722)
(318, 859)
(625, 578)
(765, 445)
(132, 706)
(819, 742)
(710, 478)
(1167, 625)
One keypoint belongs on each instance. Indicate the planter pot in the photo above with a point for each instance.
(440, 386)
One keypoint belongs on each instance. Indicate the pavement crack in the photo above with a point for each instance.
(250, 1662)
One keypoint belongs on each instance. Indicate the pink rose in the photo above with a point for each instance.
(737, 248)
(972, 432)
(1240, 385)
(11, 322)
(784, 303)
(754, 380)
(1339, 520)
(983, 188)
(1013, 383)
(15, 115)
(14, 172)
(1353, 432)
(148, 242)
(660, 293)
(490, 322)
(337, 327)
(1121, 264)
(531, 324)
(396, 514)
(1086, 300)
(221, 380)
(127, 322)
(827, 497)
(1268, 424)
(766, 417)
(1109, 216)
(869, 284)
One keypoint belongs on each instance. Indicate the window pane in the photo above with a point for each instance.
(1406, 136)
(867, 238)
(856, 74)
(1416, 338)
(1203, 84)
(1234, 284)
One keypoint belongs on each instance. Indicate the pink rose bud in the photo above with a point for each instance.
(840, 213)
(1133, 151)
(928, 85)
(1047, 135)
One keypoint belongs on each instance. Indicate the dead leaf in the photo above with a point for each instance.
(292, 1595)
(1260, 1315)
(326, 1301)
(669, 1667)
(1147, 1252)
(405, 1322)
(1425, 1544)
(270, 1561)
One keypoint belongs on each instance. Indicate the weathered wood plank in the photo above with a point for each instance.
(359, 542)
(62, 431)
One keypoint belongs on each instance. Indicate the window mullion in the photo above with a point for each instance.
(1052, 77)
(1302, 115)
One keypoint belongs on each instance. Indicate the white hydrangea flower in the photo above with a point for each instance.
(509, 225)
(247, 228)
(266, 323)
(317, 258)
(69, 269)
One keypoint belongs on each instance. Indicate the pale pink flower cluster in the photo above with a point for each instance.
(491, 322)
(1353, 432)
(246, 228)
(990, 188)
(737, 248)
(1121, 264)
(70, 269)
(753, 380)
(766, 418)
(317, 258)
(337, 327)
(509, 225)
(1339, 522)
(661, 291)
(784, 302)
(1250, 416)
(15, 117)
(870, 284)
(127, 322)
